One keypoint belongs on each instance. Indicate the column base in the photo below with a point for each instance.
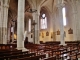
(63, 44)
(23, 49)
(37, 43)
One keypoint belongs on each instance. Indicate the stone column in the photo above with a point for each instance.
(36, 27)
(60, 6)
(61, 26)
(0, 23)
(75, 19)
(78, 22)
(33, 28)
(12, 30)
(77, 16)
(8, 32)
(5, 21)
(20, 25)
(53, 26)
(8, 36)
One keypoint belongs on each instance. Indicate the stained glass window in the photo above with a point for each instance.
(43, 22)
(29, 25)
(64, 16)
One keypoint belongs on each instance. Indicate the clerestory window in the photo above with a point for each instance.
(43, 22)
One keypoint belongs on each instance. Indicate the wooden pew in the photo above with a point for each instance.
(70, 55)
(50, 58)
(7, 46)
(38, 57)
(15, 56)
(5, 54)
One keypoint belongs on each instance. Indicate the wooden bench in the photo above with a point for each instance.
(50, 58)
(31, 58)
(15, 56)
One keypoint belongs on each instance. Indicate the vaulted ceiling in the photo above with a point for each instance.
(13, 8)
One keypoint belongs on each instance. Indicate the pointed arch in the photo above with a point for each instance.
(43, 20)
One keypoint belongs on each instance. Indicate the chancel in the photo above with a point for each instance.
(39, 29)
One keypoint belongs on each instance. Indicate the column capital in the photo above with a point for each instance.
(6, 6)
(5, 3)
(60, 5)
(74, 12)
(74, 8)
(38, 14)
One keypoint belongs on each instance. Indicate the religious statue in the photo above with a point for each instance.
(70, 31)
(42, 35)
(47, 33)
(25, 37)
(58, 32)
(52, 35)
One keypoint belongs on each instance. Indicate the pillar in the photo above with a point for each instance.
(76, 17)
(12, 31)
(8, 36)
(61, 27)
(37, 30)
(60, 6)
(20, 25)
(36, 27)
(78, 21)
(4, 18)
(0, 24)
(53, 26)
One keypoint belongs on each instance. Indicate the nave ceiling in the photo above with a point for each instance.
(45, 6)
(29, 4)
